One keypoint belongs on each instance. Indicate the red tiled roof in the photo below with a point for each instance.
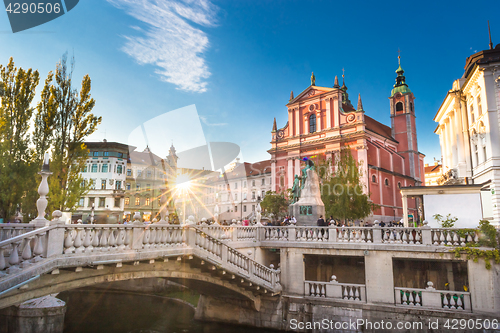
(379, 128)
(432, 168)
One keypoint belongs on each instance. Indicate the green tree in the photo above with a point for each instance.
(16, 156)
(275, 204)
(73, 121)
(342, 191)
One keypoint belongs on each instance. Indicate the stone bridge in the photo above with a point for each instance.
(39, 261)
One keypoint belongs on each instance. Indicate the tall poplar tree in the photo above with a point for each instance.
(73, 121)
(16, 157)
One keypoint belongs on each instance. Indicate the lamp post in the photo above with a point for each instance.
(43, 190)
(92, 214)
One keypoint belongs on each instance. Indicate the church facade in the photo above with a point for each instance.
(322, 121)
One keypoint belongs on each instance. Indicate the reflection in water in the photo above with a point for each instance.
(109, 312)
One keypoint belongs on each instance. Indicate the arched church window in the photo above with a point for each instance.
(479, 107)
(411, 106)
(386, 182)
(312, 123)
(374, 179)
(399, 106)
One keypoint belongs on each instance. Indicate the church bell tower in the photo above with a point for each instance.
(403, 123)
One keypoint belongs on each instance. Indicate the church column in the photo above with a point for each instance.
(405, 211)
(363, 159)
(318, 121)
(447, 143)
(289, 172)
(273, 175)
(442, 144)
(328, 113)
(460, 139)
(297, 166)
(297, 121)
(465, 135)
(336, 112)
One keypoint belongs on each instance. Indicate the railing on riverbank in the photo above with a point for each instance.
(430, 298)
(335, 290)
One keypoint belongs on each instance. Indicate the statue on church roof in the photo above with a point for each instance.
(313, 79)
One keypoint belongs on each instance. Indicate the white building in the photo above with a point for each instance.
(469, 129)
(105, 168)
(238, 191)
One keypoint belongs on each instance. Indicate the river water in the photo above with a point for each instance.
(110, 312)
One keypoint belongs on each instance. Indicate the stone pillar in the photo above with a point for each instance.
(484, 287)
(297, 121)
(39, 315)
(297, 166)
(328, 103)
(292, 271)
(318, 121)
(273, 175)
(289, 172)
(363, 158)
(379, 277)
(404, 198)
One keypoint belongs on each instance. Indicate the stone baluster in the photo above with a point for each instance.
(38, 249)
(95, 239)
(455, 239)
(112, 239)
(369, 235)
(120, 239)
(87, 241)
(78, 243)
(43, 190)
(69, 241)
(404, 300)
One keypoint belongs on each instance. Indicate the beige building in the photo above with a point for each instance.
(433, 173)
(469, 129)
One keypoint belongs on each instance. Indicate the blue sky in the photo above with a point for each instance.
(237, 61)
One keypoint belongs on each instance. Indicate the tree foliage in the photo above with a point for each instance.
(342, 190)
(61, 123)
(275, 204)
(18, 91)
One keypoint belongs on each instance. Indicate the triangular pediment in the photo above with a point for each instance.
(310, 92)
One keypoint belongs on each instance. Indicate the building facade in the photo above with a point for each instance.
(322, 121)
(469, 129)
(105, 171)
(433, 174)
(238, 191)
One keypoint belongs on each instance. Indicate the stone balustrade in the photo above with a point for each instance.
(454, 237)
(430, 298)
(335, 290)
(10, 230)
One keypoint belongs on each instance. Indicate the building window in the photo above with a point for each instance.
(96, 153)
(137, 201)
(479, 107)
(118, 185)
(235, 209)
(312, 123)
(81, 203)
(129, 172)
(245, 196)
(102, 202)
(106, 153)
(236, 197)
(253, 182)
(139, 173)
(399, 184)
(119, 169)
(485, 155)
(128, 186)
(104, 168)
(263, 194)
(282, 181)
(253, 195)
(399, 106)
(91, 202)
(127, 201)
(245, 184)
(103, 184)
(235, 186)
(253, 208)
(94, 168)
(411, 106)
(263, 181)
(244, 209)
(117, 202)
(472, 118)
(477, 154)
(228, 209)
(148, 201)
(138, 187)
(386, 182)
(228, 188)
(374, 179)
(92, 183)
(85, 168)
(148, 173)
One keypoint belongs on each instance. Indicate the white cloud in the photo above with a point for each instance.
(170, 41)
(205, 121)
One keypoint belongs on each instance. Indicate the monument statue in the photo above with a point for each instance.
(309, 206)
(296, 189)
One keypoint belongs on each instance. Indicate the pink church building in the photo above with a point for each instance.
(322, 121)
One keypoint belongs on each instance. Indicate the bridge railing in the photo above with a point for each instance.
(219, 250)
(10, 230)
(421, 236)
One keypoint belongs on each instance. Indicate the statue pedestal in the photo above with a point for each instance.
(309, 207)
